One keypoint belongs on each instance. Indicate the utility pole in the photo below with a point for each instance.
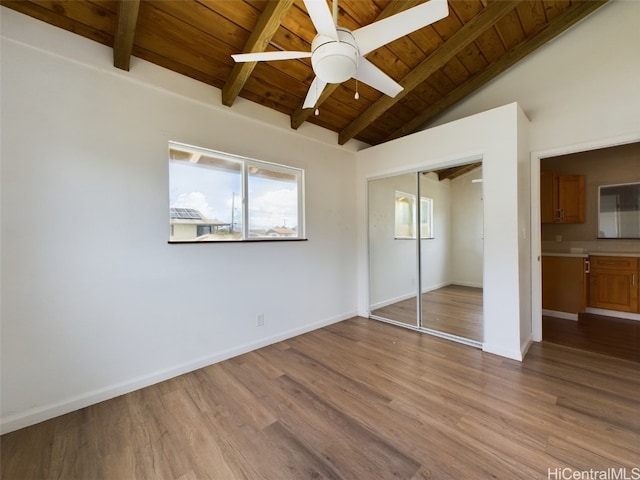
(233, 209)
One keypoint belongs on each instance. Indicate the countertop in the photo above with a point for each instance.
(591, 254)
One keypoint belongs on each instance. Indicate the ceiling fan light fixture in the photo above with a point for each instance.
(337, 53)
(335, 61)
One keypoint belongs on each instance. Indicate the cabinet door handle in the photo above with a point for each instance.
(587, 266)
(633, 279)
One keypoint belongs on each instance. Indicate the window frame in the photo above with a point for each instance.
(245, 164)
(426, 221)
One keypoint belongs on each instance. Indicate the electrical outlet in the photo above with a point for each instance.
(260, 320)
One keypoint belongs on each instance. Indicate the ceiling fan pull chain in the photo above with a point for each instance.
(357, 95)
(338, 54)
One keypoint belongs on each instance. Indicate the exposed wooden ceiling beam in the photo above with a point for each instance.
(455, 172)
(267, 25)
(126, 19)
(301, 114)
(574, 14)
(466, 35)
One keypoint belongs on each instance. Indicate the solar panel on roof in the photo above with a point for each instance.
(185, 214)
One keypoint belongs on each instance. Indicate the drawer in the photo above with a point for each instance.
(613, 263)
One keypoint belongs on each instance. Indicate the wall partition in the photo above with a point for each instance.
(426, 251)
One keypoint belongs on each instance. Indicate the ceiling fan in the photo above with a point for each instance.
(337, 53)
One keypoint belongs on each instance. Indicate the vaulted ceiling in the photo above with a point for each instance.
(437, 65)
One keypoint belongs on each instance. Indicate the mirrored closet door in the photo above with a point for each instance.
(426, 251)
(393, 277)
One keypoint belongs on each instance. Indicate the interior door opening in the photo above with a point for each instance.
(588, 294)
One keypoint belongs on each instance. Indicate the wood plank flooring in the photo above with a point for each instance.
(453, 309)
(596, 333)
(360, 399)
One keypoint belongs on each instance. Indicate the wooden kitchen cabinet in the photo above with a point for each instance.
(564, 284)
(561, 198)
(547, 205)
(613, 283)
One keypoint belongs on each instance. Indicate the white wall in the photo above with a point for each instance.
(467, 218)
(95, 302)
(492, 136)
(436, 253)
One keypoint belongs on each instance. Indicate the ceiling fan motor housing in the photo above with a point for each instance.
(335, 61)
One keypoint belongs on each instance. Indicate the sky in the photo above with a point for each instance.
(272, 203)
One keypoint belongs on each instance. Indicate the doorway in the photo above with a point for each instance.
(582, 323)
(426, 251)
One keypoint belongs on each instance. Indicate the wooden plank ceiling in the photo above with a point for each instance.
(437, 65)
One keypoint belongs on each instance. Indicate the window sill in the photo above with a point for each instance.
(257, 240)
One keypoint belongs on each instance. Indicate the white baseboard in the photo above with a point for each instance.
(467, 284)
(436, 286)
(556, 314)
(503, 352)
(46, 412)
(407, 296)
(594, 311)
(391, 301)
(614, 313)
(524, 346)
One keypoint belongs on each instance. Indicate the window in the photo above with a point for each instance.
(216, 196)
(406, 215)
(426, 217)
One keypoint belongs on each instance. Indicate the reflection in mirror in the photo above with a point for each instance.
(447, 259)
(619, 211)
(392, 249)
(452, 262)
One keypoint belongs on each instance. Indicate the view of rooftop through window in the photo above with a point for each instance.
(216, 196)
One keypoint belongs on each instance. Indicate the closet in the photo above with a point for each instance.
(426, 251)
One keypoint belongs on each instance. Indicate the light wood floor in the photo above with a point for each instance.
(356, 400)
(452, 309)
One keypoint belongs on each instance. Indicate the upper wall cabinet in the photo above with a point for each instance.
(561, 198)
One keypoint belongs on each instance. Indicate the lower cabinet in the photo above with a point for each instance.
(613, 283)
(564, 284)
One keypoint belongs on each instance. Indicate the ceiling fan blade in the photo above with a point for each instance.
(321, 18)
(391, 28)
(315, 90)
(266, 56)
(374, 77)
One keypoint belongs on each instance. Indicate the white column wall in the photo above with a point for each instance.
(492, 136)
